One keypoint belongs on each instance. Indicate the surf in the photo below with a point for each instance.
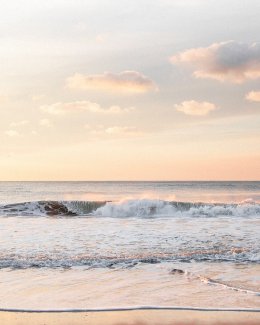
(140, 208)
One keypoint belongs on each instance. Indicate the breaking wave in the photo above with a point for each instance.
(130, 208)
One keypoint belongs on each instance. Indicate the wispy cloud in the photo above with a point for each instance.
(19, 123)
(122, 130)
(4, 98)
(126, 81)
(225, 61)
(182, 3)
(45, 122)
(100, 131)
(12, 133)
(37, 98)
(82, 106)
(253, 96)
(193, 107)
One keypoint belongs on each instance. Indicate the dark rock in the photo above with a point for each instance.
(177, 271)
(55, 208)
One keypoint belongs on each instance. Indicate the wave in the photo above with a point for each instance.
(143, 208)
(155, 208)
(51, 208)
(62, 259)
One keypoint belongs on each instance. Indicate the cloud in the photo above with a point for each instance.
(4, 98)
(101, 131)
(37, 98)
(182, 3)
(226, 61)
(100, 38)
(45, 122)
(82, 106)
(122, 130)
(126, 81)
(12, 133)
(193, 107)
(19, 123)
(253, 96)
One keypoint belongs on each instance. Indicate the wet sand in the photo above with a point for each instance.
(133, 317)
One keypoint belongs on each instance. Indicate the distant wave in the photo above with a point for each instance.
(130, 208)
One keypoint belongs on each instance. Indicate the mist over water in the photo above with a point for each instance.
(86, 244)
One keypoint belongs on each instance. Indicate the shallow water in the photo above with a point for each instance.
(123, 253)
(144, 284)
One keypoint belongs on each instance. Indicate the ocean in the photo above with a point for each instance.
(119, 244)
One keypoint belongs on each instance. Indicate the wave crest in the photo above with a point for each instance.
(157, 208)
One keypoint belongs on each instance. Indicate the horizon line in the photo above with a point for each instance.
(129, 181)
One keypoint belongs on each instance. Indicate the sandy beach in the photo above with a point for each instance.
(135, 317)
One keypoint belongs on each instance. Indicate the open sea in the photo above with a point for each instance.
(83, 245)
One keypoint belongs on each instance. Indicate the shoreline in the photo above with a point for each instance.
(148, 316)
(130, 308)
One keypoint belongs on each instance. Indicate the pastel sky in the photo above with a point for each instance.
(130, 90)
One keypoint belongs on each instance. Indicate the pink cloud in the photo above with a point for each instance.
(226, 61)
(193, 107)
(253, 96)
(126, 81)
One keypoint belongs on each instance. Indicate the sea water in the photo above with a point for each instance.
(119, 244)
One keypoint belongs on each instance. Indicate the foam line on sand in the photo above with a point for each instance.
(130, 308)
(146, 316)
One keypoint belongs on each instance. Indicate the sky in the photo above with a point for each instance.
(130, 90)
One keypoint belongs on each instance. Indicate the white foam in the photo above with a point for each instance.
(149, 208)
(136, 208)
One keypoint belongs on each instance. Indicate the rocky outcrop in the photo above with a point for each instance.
(55, 208)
